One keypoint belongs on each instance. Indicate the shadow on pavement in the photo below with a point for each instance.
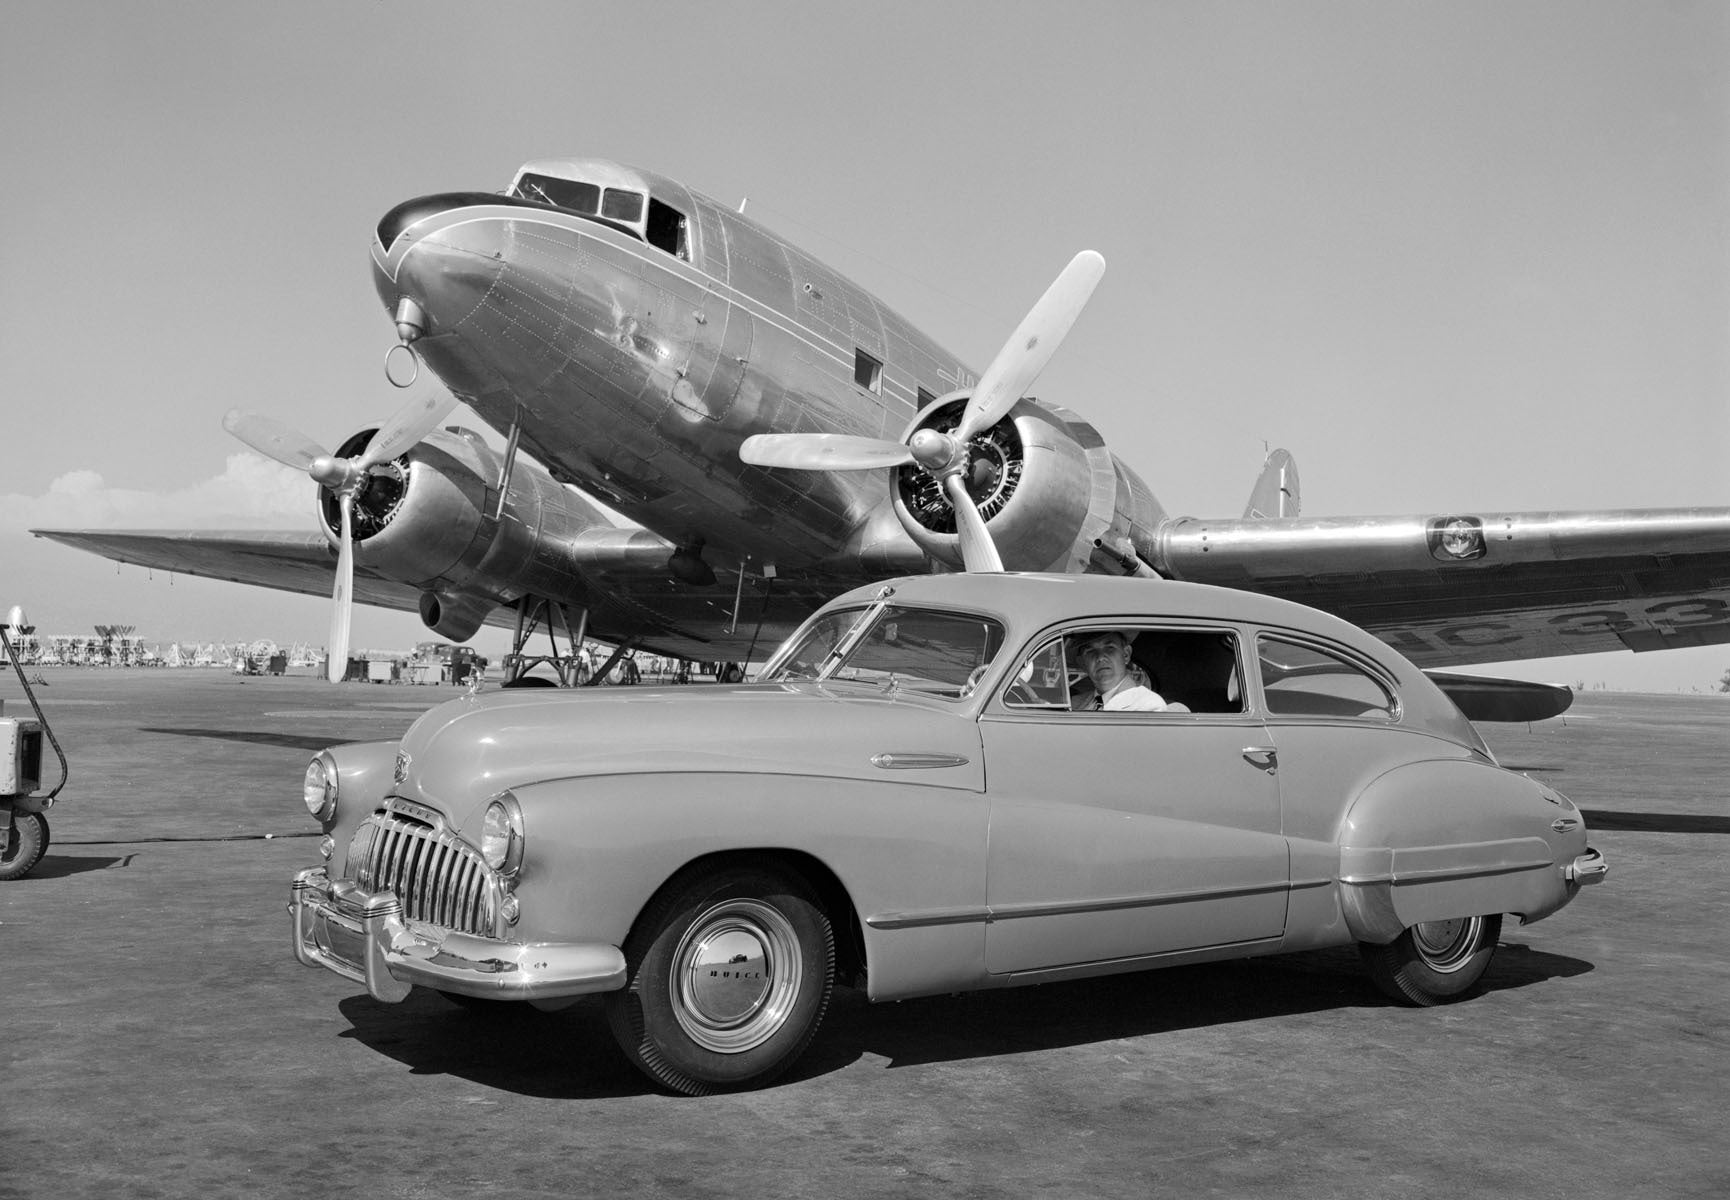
(263, 738)
(571, 1054)
(1654, 822)
(56, 866)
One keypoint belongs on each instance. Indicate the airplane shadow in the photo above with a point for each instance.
(571, 1054)
(1651, 822)
(262, 738)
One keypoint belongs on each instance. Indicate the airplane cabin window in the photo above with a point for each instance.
(620, 205)
(867, 371)
(668, 230)
(925, 397)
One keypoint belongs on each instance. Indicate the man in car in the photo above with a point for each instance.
(1104, 655)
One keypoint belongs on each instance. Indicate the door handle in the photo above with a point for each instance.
(1261, 756)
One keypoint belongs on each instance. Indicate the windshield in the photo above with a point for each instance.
(616, 204)
(925, 650)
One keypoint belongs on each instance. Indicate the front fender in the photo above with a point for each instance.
(364, 772)
(910, 857)
(1454, 838)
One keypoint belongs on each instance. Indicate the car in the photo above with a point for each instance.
(915, 797)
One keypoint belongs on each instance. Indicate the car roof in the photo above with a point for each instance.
(1037, 600)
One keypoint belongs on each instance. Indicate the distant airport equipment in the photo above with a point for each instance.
(24, 827)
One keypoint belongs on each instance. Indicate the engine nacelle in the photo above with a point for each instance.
(425, 519)
(1046, 485)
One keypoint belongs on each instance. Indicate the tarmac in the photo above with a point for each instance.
(161, 1040)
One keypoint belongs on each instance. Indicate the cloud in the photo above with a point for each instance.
(252, 492)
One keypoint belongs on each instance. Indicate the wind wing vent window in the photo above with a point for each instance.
(867, 371)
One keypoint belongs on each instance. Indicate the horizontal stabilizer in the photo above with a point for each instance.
(1276, 490)
(1483, 698)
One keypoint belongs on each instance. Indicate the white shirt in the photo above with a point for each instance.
(1130, 696)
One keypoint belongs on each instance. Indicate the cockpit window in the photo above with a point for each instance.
(618, 205)
(615, 204)
(560, 193)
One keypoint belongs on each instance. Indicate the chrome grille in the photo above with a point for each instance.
(439, 878)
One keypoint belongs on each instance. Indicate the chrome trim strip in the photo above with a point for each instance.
(915, 760)
(1014, 912)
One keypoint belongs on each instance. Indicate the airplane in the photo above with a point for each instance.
(771, 434)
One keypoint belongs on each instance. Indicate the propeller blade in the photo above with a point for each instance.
(406, 427)
(978, 551)
(337, 665)
(823, 451)
(273, 439)
(1032, 344)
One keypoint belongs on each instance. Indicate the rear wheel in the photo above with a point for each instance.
(730, 971)
(23, 846)
(1436, 961)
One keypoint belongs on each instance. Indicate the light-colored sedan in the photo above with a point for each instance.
(933, 787)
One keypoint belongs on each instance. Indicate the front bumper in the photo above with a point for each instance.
(363, 936)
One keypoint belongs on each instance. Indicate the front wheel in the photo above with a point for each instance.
(22, 847)
(730, 971)
(1436, 961)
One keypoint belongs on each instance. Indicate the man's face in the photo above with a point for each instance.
(1105, 659)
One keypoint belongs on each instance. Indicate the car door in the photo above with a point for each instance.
(1122, 834)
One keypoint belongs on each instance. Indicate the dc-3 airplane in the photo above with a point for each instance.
(778, 435)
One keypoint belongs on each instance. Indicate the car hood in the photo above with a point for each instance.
(465, 751)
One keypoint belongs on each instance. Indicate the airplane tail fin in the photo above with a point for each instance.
(1276, 489)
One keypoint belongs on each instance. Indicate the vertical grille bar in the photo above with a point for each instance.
(439, 878)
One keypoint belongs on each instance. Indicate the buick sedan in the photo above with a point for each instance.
(938, 784)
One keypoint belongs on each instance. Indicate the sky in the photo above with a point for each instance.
(1453, 256)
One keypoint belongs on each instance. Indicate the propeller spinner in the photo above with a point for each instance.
(945, 455)
(345, 478)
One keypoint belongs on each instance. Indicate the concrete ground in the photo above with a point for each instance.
(161, 1040)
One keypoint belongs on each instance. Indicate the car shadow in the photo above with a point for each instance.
(571, 1054)
(1142, 1004)
(517, 1048)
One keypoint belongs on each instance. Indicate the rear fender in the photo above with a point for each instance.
(1435, 840)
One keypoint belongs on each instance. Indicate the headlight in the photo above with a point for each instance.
(502, 835)
(319, 788)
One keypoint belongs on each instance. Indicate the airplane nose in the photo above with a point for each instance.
(411, 212)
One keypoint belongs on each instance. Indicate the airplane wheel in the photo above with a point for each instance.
(1434, 962)
(730, 972)
(26, 844)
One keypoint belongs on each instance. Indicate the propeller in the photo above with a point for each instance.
(945, 456)
(344, 477)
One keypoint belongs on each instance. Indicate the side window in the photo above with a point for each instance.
(1304, 681)
(1112, 669)
(667, 230)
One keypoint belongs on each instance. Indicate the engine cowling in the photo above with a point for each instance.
(425, 518)
(1049, 490)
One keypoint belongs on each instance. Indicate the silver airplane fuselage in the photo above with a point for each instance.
(635, 357)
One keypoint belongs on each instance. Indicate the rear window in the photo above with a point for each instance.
(1301, 680)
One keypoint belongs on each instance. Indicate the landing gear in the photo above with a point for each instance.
(571, 665)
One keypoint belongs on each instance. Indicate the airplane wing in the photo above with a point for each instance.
(298, 561)
(1459, 588)
(631, 596)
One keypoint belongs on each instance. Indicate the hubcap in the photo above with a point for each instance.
(736, 973)
(1447, 945)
